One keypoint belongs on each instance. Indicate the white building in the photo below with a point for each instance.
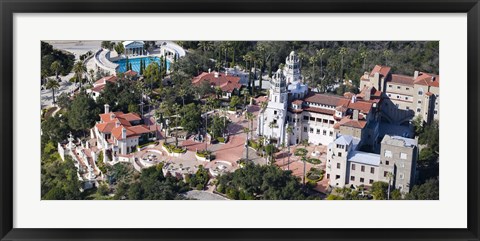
(133, 48)
(272, 120)
(119, 134)
(292, 73)
(315, 117)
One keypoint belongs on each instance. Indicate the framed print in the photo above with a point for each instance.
(251, 120)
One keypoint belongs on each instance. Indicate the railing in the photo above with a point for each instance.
(103, 62)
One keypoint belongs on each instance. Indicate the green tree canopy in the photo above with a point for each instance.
(261, 182)
(191, 119)
(83, 112)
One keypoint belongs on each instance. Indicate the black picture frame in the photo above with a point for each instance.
(9, 7)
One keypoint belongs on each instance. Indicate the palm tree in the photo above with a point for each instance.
(282, 146)
(320, 54)
(218, 92)
(245, 93)
(289, 132)
(250, 117)
(205, 109)
(205, 46)
(53, 85)
(91, 72)
(313, 60)
(390, 176)
(387, 54)
(264, 105)
(43, 76)
(182, 93)
(176, 108)
(55, 67)
(343, 52)
(364, 55)
(246, 130)
(79, 69)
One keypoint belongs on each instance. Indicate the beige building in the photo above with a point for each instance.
(347, 166)
(408, 96)
(398, 156)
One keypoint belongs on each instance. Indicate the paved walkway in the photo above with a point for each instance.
(203, 195)
(65, 87)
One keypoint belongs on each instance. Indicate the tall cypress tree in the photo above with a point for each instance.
(165, 66)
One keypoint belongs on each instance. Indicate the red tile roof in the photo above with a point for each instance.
(106, 127)
(383, 70)
(98, 88)
(428, 79)
(109, 116)
(130, 73)
(130, 117)
(319, 110)
(102, 81)
(363, 106)
(297, 102)
(227, 83)
(346, 121)
(295, 110)
(140, 129)
(114, 122)
(324, 99)
(402, 79)
(117, 132)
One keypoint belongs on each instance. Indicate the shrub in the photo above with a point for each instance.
(220, 189)
(203, 153)
(315, 175)
(314, 160)
(232, 193)
(174, 149)
(221, 139)
(200, 186)
(103, 189)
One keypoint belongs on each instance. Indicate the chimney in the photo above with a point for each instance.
(216, 74)
(368, 93)
(355, 115)
(107, 108)
(117, 123)
(377, 80)
(226, 72)
(415, 75)
(365, 75)
(209, 70)
(124, 133)
(354, 98)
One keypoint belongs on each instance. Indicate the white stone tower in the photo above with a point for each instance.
(292, 68)
(294, 77)
(272, 121)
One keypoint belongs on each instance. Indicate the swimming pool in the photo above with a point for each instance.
(135, 62)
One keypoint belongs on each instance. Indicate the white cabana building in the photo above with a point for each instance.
(134, 48)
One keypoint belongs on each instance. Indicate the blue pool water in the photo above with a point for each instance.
(122, 67)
